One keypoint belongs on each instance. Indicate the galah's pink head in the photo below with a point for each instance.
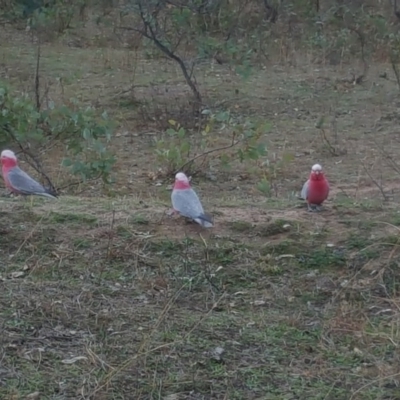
(316, 173)
(8, 158)
(181, 181)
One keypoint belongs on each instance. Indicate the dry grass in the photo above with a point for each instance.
(107, 298)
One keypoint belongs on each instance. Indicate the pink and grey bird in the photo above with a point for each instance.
(18, 181)
(316, 190)
(186, 202)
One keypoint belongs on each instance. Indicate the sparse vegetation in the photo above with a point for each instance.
(104, 296)
(177, 151)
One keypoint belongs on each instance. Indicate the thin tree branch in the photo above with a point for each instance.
(151, 34)
(388, 158)
(379, 186)
(331, 148)
(233, 144)
(79, 182)
(37, 79)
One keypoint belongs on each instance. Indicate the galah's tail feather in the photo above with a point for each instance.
(204, 220)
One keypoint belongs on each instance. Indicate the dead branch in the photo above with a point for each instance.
(79, 182)
(388, 158)
(271, 12)
(331, 148)
(150, 32)
(37, 79)
(206, 153)
(357, 80)
(396, 12)
(377, 184)
(393, 62)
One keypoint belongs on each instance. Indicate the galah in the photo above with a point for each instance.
(18, 181)
(186, 202)
(316, 190)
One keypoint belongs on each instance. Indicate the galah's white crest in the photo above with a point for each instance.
(18, 181)
(186, 202)
(316, 190)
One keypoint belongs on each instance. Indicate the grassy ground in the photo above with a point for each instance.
(107, 298)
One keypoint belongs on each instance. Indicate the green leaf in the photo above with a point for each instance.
(225, 161)
(222, 116)
(181, 133)
(66, 162)
(320, 122)
(171, 132)
(241, 155)
(185, 147)
(262, 149)
(264, 187)
(87, 134)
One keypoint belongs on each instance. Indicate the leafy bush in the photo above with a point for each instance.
(83, 133)
(178, 149)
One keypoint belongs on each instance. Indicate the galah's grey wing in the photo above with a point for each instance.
(304, 191)
(187, 203)
(24, 184)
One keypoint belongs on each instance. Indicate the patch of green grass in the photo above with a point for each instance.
(139, 220)
(285, 246)
(274, 270)
(273, 228)
(167, 248)
(391, 279)
(370, 253)
(357, 241)
(129, 103)
(124, 231)
(390, 240)
(363, 226)
(349, 204)
(241, 226)
(70, 218)
(323, 258)
(394, 218)
(222, 255)
(82, 243)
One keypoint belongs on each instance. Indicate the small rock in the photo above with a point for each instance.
(216, 354)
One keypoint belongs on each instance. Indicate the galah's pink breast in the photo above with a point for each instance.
(317, 191)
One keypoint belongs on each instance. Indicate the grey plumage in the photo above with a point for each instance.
(188, 204)
(24, 184)
(304, 195)
(304, 190)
